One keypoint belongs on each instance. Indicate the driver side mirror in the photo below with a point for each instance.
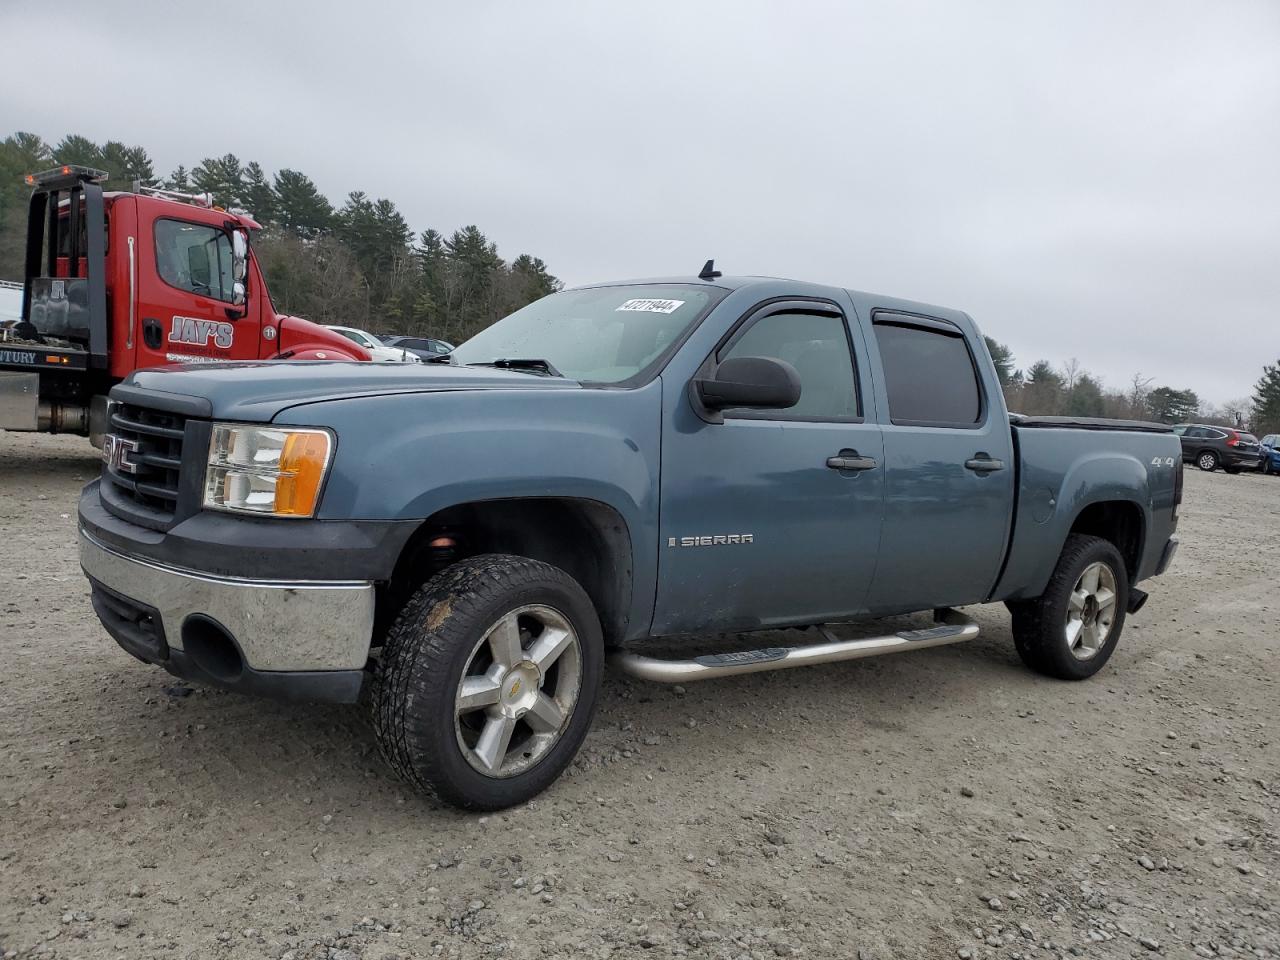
(761, 383)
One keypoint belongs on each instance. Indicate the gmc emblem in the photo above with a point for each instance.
(116, 453)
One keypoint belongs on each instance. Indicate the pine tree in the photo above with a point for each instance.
(126, 166)
(299, 205)
(1167, 405)
(1042, 393)
(1002, 357)
(1266, 401)
(221, 176)
(74, 148)
(258, 197)
(1085, 397)
(179, 180)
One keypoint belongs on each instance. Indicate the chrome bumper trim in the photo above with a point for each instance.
(278, 624)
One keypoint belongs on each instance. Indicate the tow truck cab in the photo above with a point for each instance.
(120, 281)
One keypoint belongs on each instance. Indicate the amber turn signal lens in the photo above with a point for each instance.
(302, 466)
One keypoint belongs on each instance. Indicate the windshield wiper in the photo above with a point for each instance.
(438, 358)
(522, 363)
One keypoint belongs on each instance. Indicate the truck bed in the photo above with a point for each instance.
(1087, 423)
(1065, 464)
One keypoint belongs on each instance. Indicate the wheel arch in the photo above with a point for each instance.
(1121, 522)
(588, 539)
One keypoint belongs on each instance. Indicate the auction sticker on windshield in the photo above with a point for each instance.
(652, 306)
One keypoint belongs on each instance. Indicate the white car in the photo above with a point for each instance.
(10, 301)
(377, 349)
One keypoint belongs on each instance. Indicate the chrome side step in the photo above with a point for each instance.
(953, 627)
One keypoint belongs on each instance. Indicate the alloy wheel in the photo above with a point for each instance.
(518, 691)
(1091, 611)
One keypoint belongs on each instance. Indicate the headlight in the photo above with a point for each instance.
(272, 471)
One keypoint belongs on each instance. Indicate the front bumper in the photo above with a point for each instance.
(289, 639)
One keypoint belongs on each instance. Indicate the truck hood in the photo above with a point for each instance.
(257, 391)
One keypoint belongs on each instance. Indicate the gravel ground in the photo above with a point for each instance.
(945, 803)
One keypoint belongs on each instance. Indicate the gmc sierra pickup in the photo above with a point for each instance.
(467, 539)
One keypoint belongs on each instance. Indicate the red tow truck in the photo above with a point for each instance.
(118, 281)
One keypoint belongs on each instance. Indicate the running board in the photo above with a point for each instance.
(953, 627)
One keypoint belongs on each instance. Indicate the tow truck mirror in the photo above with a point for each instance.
(239, 256)
(762, 383)
(238, 295)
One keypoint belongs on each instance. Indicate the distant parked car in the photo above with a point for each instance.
(1210, 447)
(376, 348)
(1271, 453)
(423, 347)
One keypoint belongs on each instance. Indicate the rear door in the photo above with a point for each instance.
(949, 470)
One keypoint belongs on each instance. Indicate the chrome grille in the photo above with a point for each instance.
(142, 456)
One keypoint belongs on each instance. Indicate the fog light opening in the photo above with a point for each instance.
(211, 648)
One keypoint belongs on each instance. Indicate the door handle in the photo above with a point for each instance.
(983, 464)
(851, 461)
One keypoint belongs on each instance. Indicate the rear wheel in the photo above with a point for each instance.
(488, 681)
(1207, 460)
(1071, 630)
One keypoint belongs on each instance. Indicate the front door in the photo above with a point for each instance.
(949, 470)
(772, 517)
(184, 304)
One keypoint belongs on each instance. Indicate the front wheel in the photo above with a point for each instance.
(1207, 461)
(488, 681)
(1071, 630)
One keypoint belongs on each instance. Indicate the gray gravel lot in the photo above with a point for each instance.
(946, 803)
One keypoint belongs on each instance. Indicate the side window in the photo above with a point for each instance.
(194, 258)
(1179, 431)
(929, 374)
(818, 347)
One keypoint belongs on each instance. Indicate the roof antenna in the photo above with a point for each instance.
(709, 271)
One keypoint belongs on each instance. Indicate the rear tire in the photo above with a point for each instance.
(1071, 630)
(1207, 460)
(488, 681)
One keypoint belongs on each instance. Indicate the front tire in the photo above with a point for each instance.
(1071, 630)
(488, 681)
(1207, 460)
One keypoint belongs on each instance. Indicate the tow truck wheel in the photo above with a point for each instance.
(1071, 630)
(488, 681)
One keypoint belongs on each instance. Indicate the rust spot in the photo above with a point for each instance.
(439, 614)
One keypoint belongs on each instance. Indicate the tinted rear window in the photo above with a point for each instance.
(929, 375)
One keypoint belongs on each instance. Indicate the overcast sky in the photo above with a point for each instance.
(1090, 180)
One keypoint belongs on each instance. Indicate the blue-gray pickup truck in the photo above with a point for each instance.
(464, 543)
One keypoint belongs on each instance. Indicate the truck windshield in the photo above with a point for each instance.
(597, 335)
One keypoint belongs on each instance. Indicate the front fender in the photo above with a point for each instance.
(320, 351)
(408, 456)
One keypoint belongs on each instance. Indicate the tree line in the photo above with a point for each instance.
(1068, 390)
(358, 264)
(361, 264)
